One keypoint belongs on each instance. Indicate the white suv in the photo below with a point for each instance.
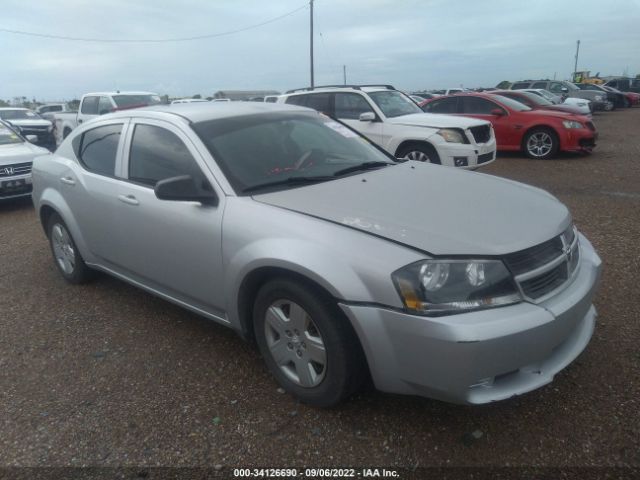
(396, 123)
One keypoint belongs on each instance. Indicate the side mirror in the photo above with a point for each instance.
(367, 117)
(498, 112)
(184, 189)
(31, 138)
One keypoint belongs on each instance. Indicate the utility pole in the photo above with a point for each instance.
(311, 38)
(344, 74)
(575, 68)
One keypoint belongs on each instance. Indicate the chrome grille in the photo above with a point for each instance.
(541, 270)
(481, 134)
(15, 169)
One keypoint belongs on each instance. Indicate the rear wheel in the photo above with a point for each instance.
(65, 253)
(307, 343)
(541, 143)
(421, 152)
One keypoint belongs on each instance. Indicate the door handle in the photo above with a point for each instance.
(128, 199)
(79, 121)
(68, 180)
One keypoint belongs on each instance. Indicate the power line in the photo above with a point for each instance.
(155, 40)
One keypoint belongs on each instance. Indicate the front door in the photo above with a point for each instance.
(349, 106)
(172, 246)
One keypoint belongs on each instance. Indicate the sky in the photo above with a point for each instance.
(411, 44)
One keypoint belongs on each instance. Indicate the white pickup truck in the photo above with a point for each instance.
(95, 104)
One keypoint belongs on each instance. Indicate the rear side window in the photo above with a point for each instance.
(320, 102)
(521, 85)
(476, 105)
(157, 154)
(542, 85)
(98, 148)
(446, 105)
(90, 105)
(349, 106)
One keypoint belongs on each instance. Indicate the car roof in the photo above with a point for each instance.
(204, 111)
(120, 93)
(338, 88)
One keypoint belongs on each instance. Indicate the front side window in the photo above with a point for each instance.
(445, 105)
(512, 104)
(522, 85)
(90, 105)
(320, 102)
(349, 106)
(394, 103)
(98, 148)
(542, 85)
(281, 148)
(555, 87)
(157, 154)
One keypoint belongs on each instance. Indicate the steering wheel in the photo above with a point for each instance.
(304, 159)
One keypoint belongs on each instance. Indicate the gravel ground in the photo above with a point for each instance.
(107, 375)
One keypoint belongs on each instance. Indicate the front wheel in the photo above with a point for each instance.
(65, 253)
(307, 343)
(541, 143)
(421, 152)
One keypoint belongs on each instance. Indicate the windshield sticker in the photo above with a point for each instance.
(341, 129)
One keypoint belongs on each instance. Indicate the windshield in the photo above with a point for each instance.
(537, 99)
(8, 136)
(512, 104)
(253, 150)
(18, 115)
(394, 104)
(124, 101)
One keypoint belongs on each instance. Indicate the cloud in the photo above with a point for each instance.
(413, 44)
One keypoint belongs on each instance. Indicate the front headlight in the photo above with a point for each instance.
(451, 135)
(571, 124)
(439, 287)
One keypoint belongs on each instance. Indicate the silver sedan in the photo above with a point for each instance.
(340, 262)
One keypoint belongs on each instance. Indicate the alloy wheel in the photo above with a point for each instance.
(417, 155)
(540, 144)
(63, 249)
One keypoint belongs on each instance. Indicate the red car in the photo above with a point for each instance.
(538, 133)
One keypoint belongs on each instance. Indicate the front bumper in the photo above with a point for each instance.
(578, 140)
(482, 356)
(466, 156)
(8, 190)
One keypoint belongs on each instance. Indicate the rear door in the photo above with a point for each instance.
(89, 185)
(349, 106)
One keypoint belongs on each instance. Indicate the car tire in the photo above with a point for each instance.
(66, 255)
(540, 143)
(422, 152)
(307, 343)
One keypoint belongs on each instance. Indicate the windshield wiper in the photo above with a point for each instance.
(287, 181)
(361, 166)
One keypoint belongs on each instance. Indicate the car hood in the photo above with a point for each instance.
(20, 153)
(436, 121)
(30, 122)
(439, 210)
